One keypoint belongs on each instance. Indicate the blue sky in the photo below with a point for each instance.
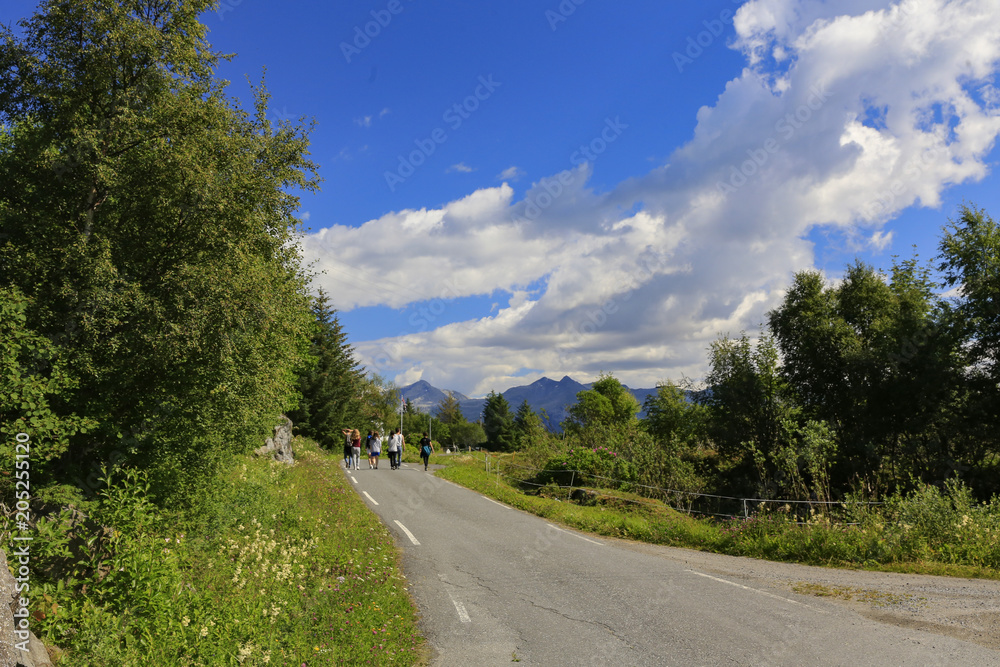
(537, 188)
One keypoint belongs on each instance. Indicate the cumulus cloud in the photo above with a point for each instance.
(845, 114)
(461, 168)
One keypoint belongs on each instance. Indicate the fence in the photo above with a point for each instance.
(690, 502)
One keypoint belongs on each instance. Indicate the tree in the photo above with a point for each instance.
(607, 405)
(674, 419)
(498, 422)
(970, 261)
(748, 403)
(869, 358)
(151, 225)
(449, 410)
(330, 386)
(528, 426)
(465, 434)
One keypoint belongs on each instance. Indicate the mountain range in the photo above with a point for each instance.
(548, 398)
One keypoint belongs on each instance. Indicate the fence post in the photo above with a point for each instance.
(572, 478)
(746, 514)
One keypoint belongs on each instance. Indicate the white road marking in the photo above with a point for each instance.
(462, 614)
(755, 590)
(354, 480)
(369, 498)
(569, 532)
(496, 503)
(408, 533)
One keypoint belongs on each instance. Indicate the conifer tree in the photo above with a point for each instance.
(331, 386)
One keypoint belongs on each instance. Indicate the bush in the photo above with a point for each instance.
(597, 466)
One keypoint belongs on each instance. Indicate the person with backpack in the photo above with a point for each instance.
(347, 446)
(426, 449)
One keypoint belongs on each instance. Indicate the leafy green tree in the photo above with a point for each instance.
(464, 434)
(970, 261)
(498, 422)
(380, 402)
(674, 419)
(745, 393)
(151, 225)
(869, 358)
(330, 386)
(608, 406)
(34, 380)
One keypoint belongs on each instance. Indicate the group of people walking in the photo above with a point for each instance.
(373, 447)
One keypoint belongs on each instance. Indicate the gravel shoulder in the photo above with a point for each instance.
(966, 609)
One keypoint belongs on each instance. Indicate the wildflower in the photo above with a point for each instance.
(204, 632)
(185, 621)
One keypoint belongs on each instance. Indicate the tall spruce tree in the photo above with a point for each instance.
(498, 422)
(331, 386)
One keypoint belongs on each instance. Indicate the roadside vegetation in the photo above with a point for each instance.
(927, 531)
(279, 565)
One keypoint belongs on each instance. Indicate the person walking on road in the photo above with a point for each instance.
(348, 433)
(355, 449)
(426, 449)
(375, 449)
(393, 448)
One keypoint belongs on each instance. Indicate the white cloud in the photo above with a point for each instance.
(872, 109)
(461, 167)
(384, 112)
(512, 173)
(363, 121)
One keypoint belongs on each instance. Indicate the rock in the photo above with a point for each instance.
(279, 447)
(10, 654)
(584, 497)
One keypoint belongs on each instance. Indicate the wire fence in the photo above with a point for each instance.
(588, 487)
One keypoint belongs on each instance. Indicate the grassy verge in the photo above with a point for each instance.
(281, 565)
(966, 547)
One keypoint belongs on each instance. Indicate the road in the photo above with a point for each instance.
(496, 586)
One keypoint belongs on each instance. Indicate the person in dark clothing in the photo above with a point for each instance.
(426, 449)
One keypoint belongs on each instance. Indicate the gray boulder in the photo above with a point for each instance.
(279, 446)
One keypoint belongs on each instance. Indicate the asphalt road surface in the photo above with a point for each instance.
(496, 586)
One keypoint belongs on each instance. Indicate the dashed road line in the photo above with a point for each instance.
(460, 608)
(496, 503)
(408, 533)
(354, 480)
(569, 532)
(755, 590)
(369, 498)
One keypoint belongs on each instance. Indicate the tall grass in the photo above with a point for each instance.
(279, 565)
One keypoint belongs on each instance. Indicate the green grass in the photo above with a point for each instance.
(281, 565)
(963, 541)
